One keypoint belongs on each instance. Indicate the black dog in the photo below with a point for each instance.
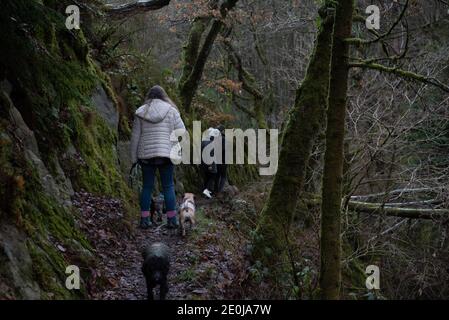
(155, 268)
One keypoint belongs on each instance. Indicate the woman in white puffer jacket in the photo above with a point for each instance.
(151, 146)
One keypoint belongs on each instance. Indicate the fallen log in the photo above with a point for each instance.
(379, 208)
(413, 213)
(397, 192)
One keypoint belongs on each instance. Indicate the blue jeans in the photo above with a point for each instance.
(168, 186)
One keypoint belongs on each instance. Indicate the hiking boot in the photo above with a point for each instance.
(145, 222)
(172, 223)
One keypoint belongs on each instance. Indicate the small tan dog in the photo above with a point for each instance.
(187, 212)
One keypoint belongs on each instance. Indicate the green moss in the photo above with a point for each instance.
(353, 274)
(42, 215)
(53, 79)
(99, 174)
(303, 126)
(53, 69)
(53, 87)
(6, 174)
(49, 271)
(48, 224)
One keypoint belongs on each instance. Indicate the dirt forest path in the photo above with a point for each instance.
(210, 263)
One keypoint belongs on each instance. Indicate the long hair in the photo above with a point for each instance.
(157, 92)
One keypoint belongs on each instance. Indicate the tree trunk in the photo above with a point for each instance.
(303, 126)
(188, 87)
(330, 275)
(194, 57)
(189, 55)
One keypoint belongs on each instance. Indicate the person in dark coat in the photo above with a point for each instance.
(209, 170)
(221, 176)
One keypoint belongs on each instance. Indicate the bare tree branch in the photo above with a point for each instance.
(380, 37)
(242, 108)
(121, 11)
(396, 192)
(244, 76)
(402, 73)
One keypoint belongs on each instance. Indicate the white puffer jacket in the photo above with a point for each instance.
(153, 125)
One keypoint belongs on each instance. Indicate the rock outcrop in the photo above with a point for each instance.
(58, 133)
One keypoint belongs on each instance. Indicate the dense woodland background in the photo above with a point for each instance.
(368, 162)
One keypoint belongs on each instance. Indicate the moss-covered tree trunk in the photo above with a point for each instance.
(304, 125)
(191, 48)
(330, 275)
(195, 54)
(188, 87)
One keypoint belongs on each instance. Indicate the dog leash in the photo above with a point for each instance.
(133, 172)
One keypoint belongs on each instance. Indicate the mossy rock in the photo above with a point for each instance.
(53, 78)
